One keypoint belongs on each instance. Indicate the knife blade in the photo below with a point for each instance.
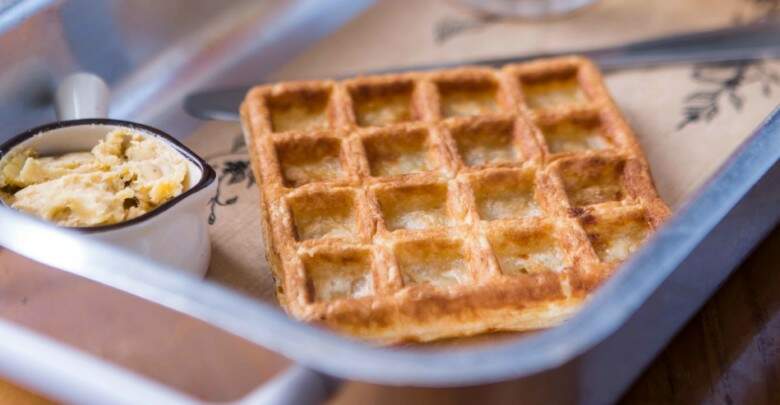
(756, 40)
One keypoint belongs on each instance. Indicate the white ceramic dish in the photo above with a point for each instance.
(175, 233)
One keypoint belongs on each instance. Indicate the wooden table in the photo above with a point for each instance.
(728, 354)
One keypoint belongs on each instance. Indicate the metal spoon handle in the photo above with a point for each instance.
(81, 95)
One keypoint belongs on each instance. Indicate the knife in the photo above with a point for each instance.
(756, 40)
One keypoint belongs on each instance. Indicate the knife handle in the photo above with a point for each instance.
(756, 40)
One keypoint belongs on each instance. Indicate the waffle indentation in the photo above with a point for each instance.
(340, 274)
(395, 153)
(302, 110)
(526, 251)
(383, 104)
(310, 160)
(459, 98)
(414, 207)
(592, 181)
(574, 135)
(324, 214)
(485, 143)
(553, 91)
(438, 262)
(615, 238)
(505, 194)
(451, 202)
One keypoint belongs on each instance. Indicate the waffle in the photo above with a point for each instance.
(425, 205)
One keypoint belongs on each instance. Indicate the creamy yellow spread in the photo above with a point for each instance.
(127, 174)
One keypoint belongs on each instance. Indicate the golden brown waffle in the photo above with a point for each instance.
(438, 204)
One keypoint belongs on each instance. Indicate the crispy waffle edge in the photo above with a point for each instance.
(364, 168)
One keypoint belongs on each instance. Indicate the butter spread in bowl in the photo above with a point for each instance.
(127, 174)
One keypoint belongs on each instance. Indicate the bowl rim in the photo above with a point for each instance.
(208, 175)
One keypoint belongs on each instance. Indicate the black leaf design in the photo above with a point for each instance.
(231, 172)
(701, 95)
(237, 171)
(726, 80)
(238, 144)
(450, 27)
(736, 100)
(251, 180)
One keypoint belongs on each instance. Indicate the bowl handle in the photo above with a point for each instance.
(81, 95)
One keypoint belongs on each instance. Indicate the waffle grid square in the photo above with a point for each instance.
(447, 203)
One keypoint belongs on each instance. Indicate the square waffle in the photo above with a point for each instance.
(448, 203)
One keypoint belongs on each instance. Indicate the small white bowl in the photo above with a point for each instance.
(176, 232)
